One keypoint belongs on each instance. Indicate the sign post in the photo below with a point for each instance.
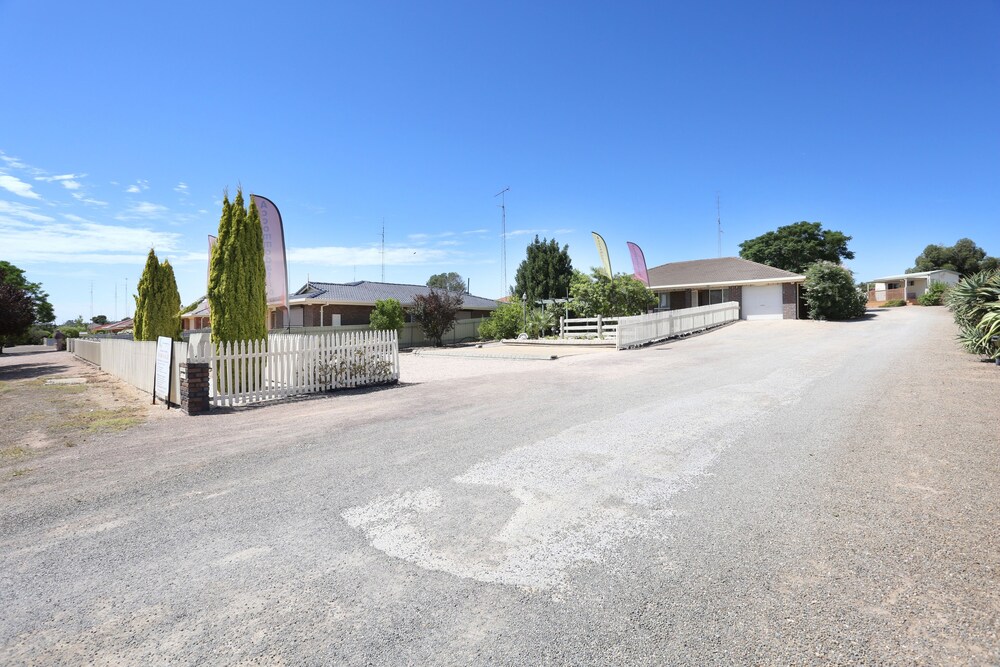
(164, 359)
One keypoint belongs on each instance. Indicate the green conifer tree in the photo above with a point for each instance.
(157, 304)
(145, 287)
(236, 284)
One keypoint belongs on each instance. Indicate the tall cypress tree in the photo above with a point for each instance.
(157, 304)
(236, 284)
(170, 312)
(144, 288)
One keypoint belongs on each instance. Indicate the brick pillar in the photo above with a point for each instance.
(194, 388)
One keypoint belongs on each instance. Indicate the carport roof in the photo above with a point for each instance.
(721, 271)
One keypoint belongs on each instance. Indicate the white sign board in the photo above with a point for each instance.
(161, 382)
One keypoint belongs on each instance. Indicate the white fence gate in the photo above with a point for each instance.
(588, 327)
(295, 364)
(641, 329)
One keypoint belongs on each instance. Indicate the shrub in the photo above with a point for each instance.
(894, 303)
(387, 315)
(436, 313)
(934, 296)
(504, 322)
(975, 305)
(831, 293)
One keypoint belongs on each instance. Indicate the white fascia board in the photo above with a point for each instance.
(731, 283)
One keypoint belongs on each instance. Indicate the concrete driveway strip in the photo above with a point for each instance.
(771, 493)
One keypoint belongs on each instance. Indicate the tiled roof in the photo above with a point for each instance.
(724, 270)
(367, 293)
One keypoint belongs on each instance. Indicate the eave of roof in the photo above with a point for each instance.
(732, 283)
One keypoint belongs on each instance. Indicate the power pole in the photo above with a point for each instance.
(383, 249)
(503, 239)
(718, 220)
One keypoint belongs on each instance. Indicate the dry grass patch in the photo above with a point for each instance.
(102, 421)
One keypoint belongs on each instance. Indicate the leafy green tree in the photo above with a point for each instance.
(545, 272)
(17, 311)
(794, 247)
(595, 295)
(44, 313)
(965, 258)
(99, 319)
(436, 313)
(831, 293)
(450, 282)
(157, 303)
(504, 322)
(387, 315)
(236, 282)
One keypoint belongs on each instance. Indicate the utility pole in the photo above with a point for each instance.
(383, 249)
(503, 238)
(718, 220)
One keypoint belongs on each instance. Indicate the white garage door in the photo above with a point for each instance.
(762, 302)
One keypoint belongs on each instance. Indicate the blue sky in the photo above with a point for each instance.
(121, 123)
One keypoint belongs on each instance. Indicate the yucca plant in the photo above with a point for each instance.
(975, 304)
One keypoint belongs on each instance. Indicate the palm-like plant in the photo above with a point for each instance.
(975, 304)
(540, 321)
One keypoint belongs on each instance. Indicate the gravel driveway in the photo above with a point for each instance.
(769, 493)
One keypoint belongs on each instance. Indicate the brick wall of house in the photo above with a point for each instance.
(788, 301)
(736, 294)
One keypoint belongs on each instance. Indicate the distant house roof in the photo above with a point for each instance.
(721, 271)
(365, 292)
(121, 325)
(919, 274)
(201, 310)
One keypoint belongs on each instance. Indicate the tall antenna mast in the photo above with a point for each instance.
(718, 220)
(503, 238)
(126, 298)
(383, 249)
(91, 299)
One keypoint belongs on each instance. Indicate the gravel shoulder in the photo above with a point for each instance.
(770, 493)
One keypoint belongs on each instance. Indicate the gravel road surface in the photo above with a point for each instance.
(768, 493)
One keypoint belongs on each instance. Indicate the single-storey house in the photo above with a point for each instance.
(909, 286)
(114, 327)
(318, 304)
(763, 292)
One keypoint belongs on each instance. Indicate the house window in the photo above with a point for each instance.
(910, 283)
(893, 286)
(664, 299)
(718, 295)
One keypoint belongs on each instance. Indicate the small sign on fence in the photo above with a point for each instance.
(161, 380)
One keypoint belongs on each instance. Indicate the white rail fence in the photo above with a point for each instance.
(588, 327)
(294, 364)
(130, 360)
(252, 371)
(641, 329)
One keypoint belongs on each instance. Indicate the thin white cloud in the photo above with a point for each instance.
(139, 186)
(79, 196)
(16, 186)
(365, 256)
(12, 162)
(182, 188)
(142, 210)
(11, 209)
(477, 231)
(85, 242)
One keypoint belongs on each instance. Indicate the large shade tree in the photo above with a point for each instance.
(12, 275)
(795, 247)
(17, 310)
(545, 272)
(965, 257)
(236, 282)
(450, 282)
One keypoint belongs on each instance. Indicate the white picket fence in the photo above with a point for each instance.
(588, 327)
(641, 329)
(130, 360)
(293, 364)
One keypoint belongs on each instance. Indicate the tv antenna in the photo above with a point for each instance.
(383, 249)
(503, 238)
(718, 220)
